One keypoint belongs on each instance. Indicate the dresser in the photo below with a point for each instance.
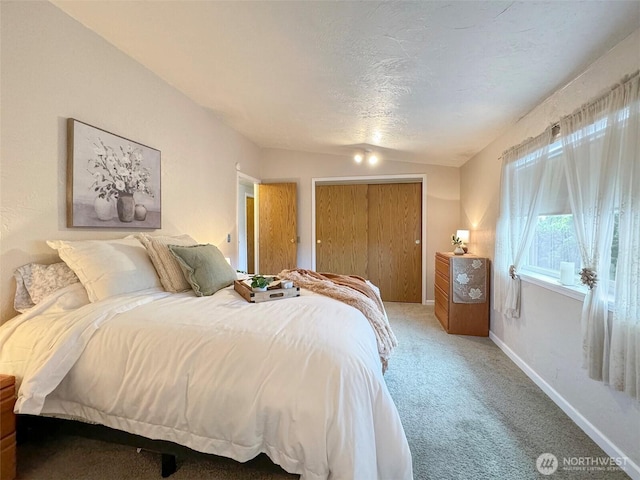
(7, 428)
(462, 299)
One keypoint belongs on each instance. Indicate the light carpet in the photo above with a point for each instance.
(468, 412)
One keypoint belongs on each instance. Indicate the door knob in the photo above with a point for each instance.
(293, 240)
(417, 242)
(318, 241)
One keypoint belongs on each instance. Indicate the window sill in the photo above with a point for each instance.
(577, 292)
(574, 291)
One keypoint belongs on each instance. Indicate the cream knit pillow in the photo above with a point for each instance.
(166, 265)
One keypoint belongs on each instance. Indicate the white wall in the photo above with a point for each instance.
(547, 337)
(443, 194)
(54, 68)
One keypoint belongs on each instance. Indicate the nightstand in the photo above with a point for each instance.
(7, 428)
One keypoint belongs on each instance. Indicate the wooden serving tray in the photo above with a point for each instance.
(256, 297)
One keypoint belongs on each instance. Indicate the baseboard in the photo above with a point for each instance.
(631, 468)
(429, 302)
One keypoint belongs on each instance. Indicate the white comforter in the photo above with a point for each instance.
(299, 379)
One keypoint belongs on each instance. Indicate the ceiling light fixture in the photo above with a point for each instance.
(367, 155)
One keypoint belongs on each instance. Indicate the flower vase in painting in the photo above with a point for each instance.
(126, 207)
(119, 174)
(140, 213)
(104, 208)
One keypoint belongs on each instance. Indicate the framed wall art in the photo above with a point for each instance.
(112, 181)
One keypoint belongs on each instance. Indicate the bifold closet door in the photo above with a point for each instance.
(373, 231)
(341, 229)
(395, 250)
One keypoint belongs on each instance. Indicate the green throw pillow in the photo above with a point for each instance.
(204, 267)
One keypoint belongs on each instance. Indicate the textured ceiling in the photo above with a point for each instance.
(430, 82)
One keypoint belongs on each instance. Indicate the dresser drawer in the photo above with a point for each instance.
(441, 308)
(7, 417)
(442, 283)
(7, 401)
(8, 457)
(7, 386)
(442, 266)
(7, 428)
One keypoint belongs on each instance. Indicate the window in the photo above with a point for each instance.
(554, 240)
(600, 154)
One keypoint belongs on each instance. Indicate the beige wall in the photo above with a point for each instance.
(443, 194)
(54, 68)
(547, 337)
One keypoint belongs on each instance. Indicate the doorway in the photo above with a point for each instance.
(246, 224)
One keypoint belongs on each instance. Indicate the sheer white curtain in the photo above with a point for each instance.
(524, 170)
(624, 365)
(597, 142)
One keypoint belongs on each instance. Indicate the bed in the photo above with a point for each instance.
(298, 379)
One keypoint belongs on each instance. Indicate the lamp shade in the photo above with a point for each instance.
(463, 235)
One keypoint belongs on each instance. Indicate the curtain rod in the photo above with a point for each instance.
(555, 127)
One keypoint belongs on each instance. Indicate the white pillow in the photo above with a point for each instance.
(168, 268)
(108, 267)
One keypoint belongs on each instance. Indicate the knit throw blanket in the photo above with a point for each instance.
(354, 291)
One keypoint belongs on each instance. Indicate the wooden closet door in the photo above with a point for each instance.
(341, 229)
(395, 250)
(277, 227)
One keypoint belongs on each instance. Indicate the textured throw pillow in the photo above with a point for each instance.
(108, 267)
(35, 281)
(22, 300)
(204, 267)
(166, 265)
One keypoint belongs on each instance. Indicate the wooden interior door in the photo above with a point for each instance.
(251, 244)
(395, 250)
(341, 229)
(277, 227)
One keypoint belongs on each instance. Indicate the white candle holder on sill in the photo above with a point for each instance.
(567, 273)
